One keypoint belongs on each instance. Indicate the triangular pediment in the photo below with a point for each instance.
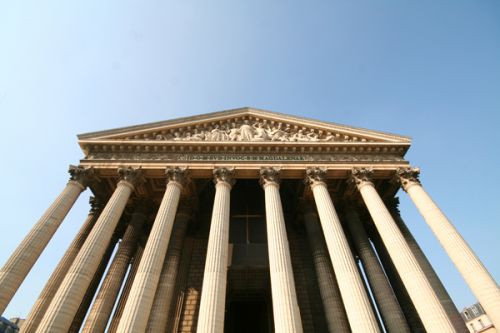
(244, 125)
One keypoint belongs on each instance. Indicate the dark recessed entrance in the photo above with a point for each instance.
(248, 302)
(248, 316)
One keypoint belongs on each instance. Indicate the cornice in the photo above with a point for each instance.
(244, 112)
(93, 146)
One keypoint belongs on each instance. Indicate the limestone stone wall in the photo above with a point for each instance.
(310, 304)
(191, 285)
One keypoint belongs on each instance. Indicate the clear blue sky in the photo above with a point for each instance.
(427, 69)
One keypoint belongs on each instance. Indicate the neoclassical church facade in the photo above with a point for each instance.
(245, 221)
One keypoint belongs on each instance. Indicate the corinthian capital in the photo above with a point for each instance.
(84, 176)
(361, 176)
(96, 204)
(224, 175)
(269, 175)
(407, 177)
(315, 175)
(131, 175)
(176, 174)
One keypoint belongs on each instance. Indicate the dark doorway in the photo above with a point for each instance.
(247, 316)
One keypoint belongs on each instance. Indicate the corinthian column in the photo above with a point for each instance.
(392, 315)
(47, 294)
(163, 298)
(404, 299)
(356, 302)
(136, 313)
(213, 291)
(285, 307)
(83, 308)
(429, 272)
(69, 295)
(426, 302)
(110, 287)
(336, 317)
(26, 254)
(468, 264)
(113, 326)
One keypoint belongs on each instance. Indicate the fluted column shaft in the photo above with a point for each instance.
(163, 298)
(83, 308)
(468, 264)
(354, 296)
(26, 254)
(69, 295)
(336, 317)
(137, 309)
(110, 287)
(431, 275)
(113, 327)
(425, 300)
(404, 299)
(213, 291)
(392, 315)
(48, 292)
(285, 306)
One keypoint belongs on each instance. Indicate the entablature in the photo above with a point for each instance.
(245, 139)
(337, 177)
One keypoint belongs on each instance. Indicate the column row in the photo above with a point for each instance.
(17, 267)
(152, 285)
(286, 312)
(468, 264)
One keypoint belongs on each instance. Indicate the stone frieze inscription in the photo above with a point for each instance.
(236, 157)
(244, 158)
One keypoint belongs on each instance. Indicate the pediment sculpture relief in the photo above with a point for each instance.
(252, 131)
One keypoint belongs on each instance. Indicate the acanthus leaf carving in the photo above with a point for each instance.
(224, 175)
(131, 175)
(407, 176)
(84, 176)
(315, 175)
(176, 174)
(361, 176)
(269, 175)
(96, 204)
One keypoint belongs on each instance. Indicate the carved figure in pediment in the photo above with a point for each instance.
(247, 132)
(224, 132)
(177, 136)
(261, 134)
(165, 136)
(197, 136)
(299, 136)
(312, 136)
(218, 134)
(279, 134)
(329, 137)
(233, 133)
